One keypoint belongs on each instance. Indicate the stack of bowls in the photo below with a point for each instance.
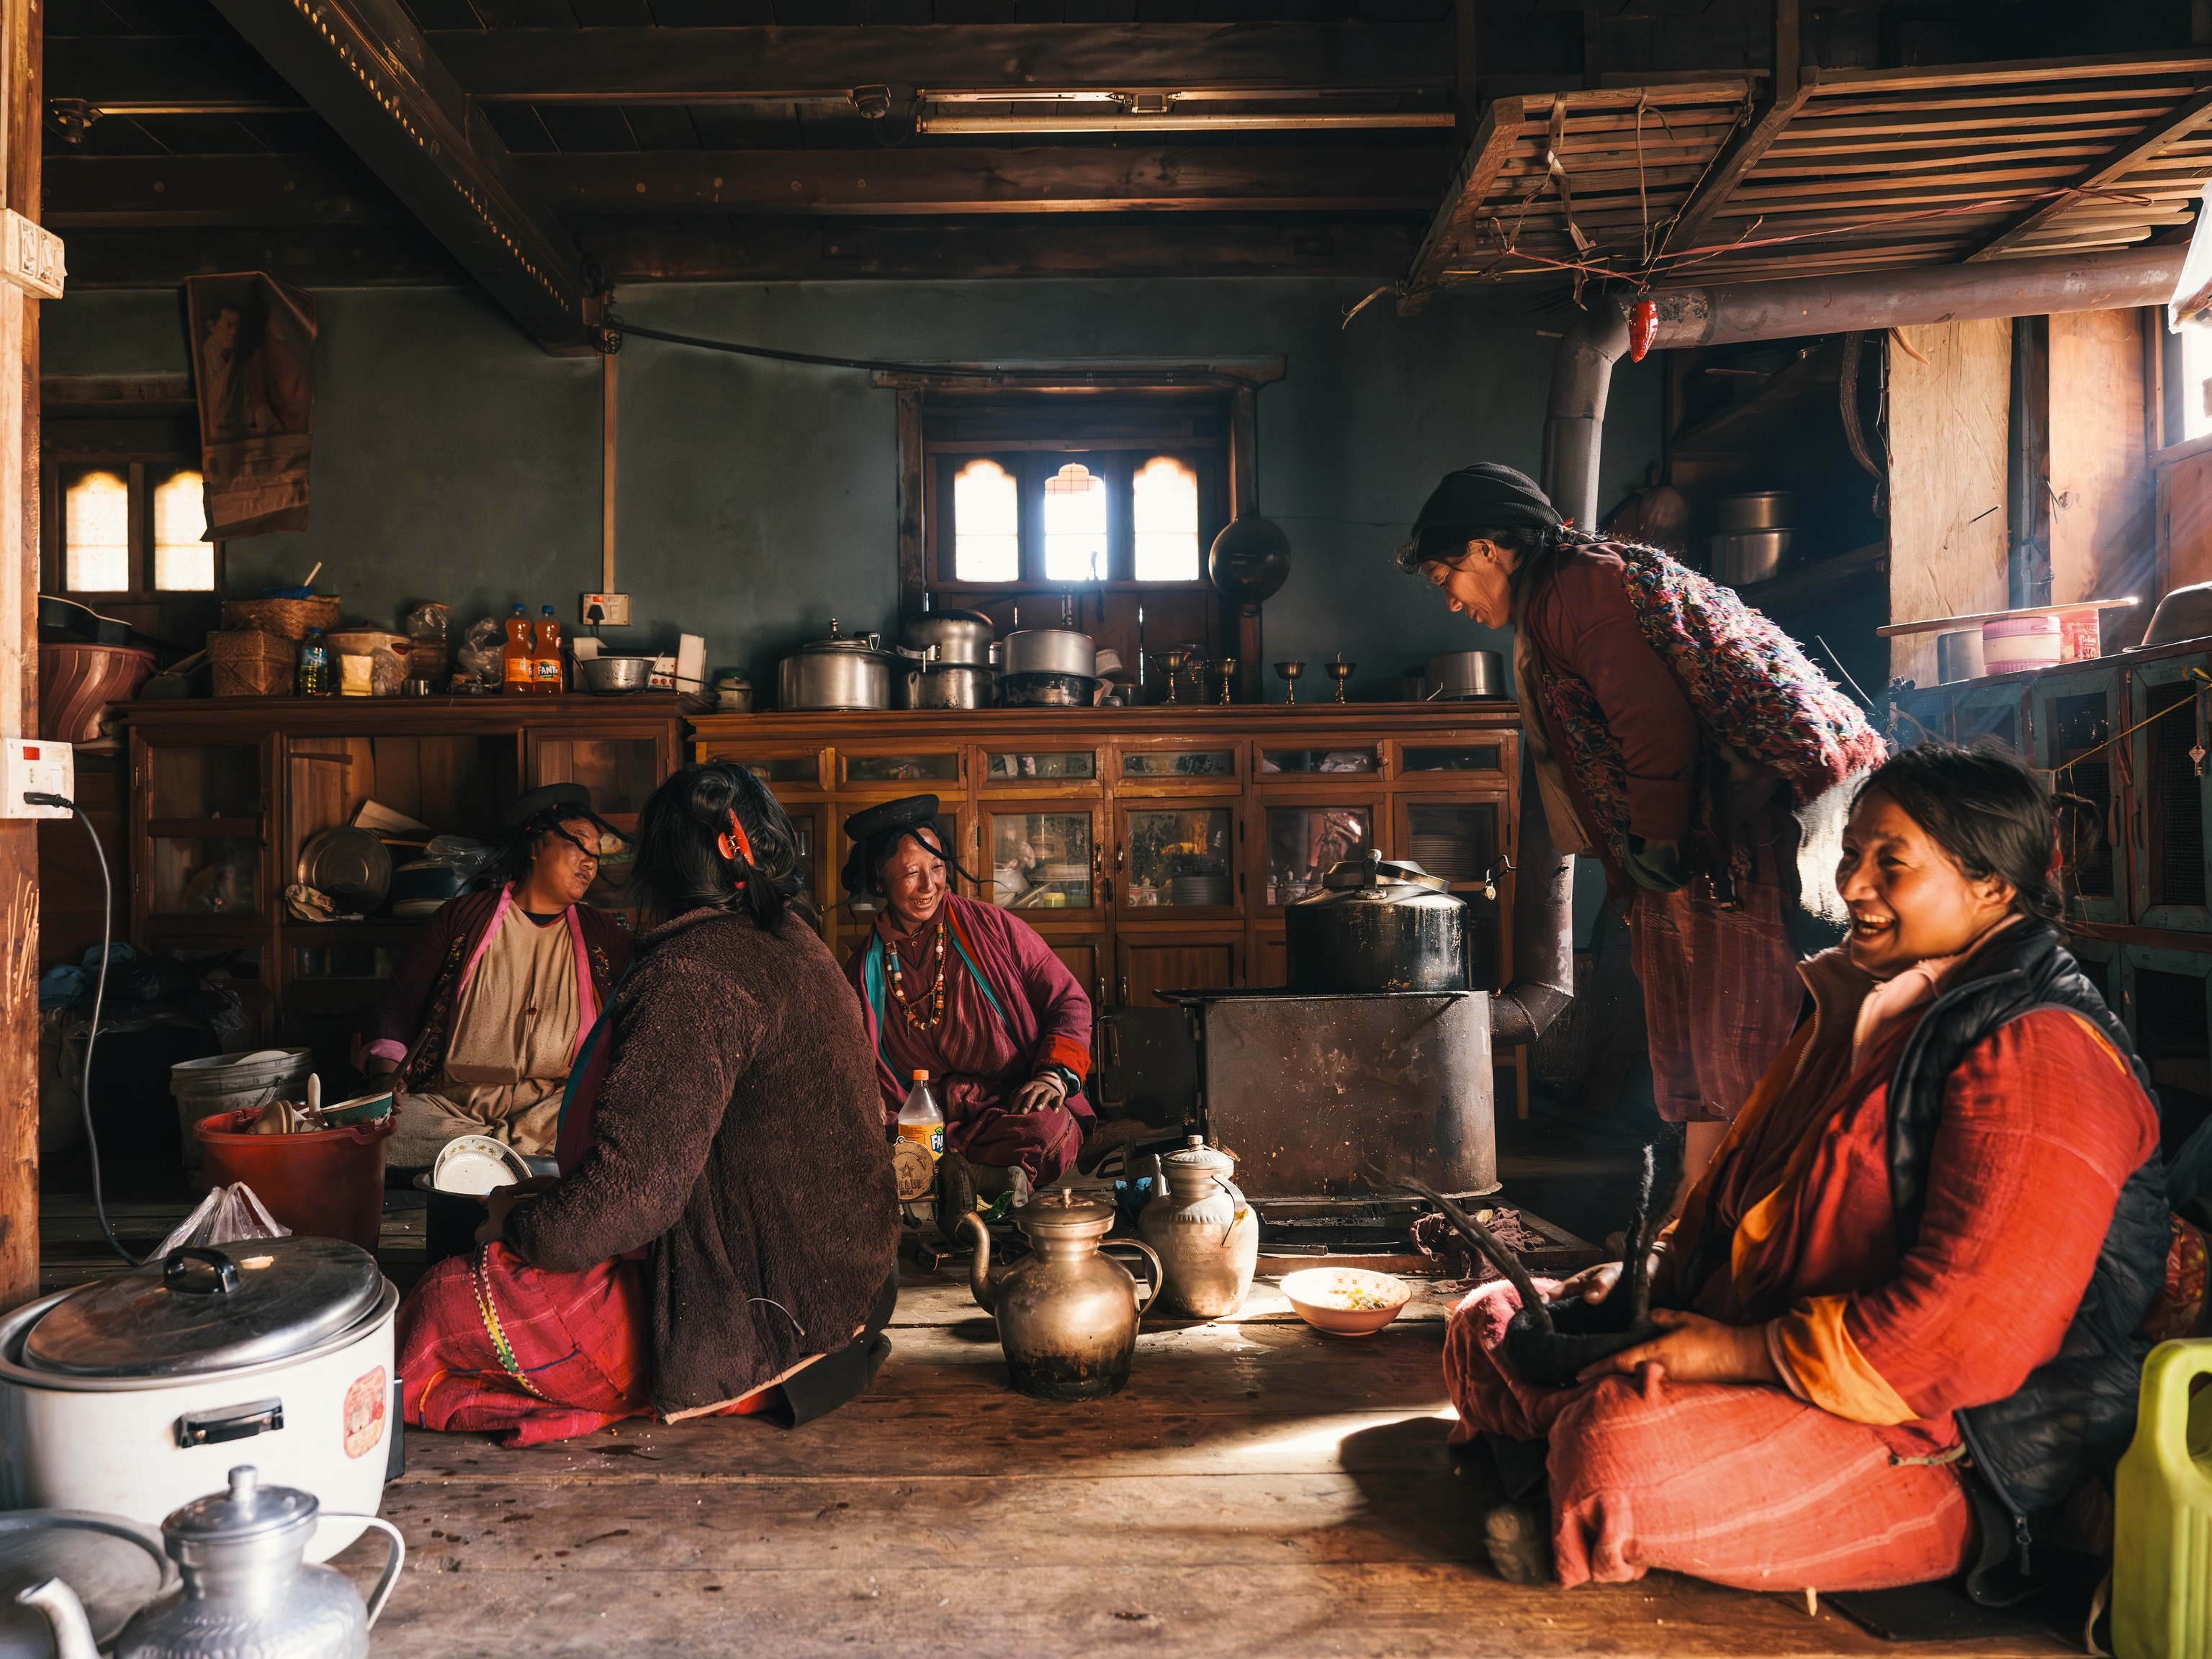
(1754, 536)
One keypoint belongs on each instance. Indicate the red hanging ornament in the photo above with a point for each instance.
(1642, 329)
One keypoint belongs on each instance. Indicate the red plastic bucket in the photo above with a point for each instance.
(328, 1183)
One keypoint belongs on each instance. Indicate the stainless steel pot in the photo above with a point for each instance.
(1458, 675)
(946, 685)
(1067, 1313)
(1748, 555)
(1378, 926)
(838, 673)
(1757, 509)
(1048, 651)
(961, 638)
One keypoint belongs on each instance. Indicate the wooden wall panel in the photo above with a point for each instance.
(2186, 512)
(2101, 543)
(1950, 396)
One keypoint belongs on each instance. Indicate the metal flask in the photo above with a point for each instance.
(1378, 926)
(1068, 1313)
(1207, 1238)
(247, 1594)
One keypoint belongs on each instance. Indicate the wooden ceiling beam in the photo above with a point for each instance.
(366, 69)
(2180, 124)
(148, 192)
(1283, 179)
(151, 68)
(350, 255)
(707, 65)
(1454, 220)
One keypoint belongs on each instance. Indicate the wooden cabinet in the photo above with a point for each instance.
(226, 792)
(1154, 848)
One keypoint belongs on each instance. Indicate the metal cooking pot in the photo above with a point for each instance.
(963, 638)
(838, 673)
(1748, 555)
(946, 685)
(1378, 926)
(1048, 651)
(1458, 675)
(1757, 509)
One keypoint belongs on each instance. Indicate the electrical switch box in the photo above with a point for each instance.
(35, 766)
(31, 256)
(613, 609)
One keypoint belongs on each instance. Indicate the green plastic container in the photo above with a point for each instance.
(2162, 1514)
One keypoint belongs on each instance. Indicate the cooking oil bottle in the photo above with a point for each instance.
(2162, 1513)
(920, 1120)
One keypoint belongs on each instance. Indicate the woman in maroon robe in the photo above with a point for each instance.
(972, 995)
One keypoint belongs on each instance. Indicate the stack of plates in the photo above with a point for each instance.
(1198, 890)
(1452, 857)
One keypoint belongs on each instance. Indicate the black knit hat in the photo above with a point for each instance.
(1484, 496)
(876, 833)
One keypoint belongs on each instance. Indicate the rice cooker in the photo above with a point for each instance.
(138, 1394)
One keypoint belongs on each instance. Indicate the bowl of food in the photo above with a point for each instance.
(1346, 1301)
(606, 675)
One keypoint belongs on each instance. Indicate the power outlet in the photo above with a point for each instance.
(614, 610)
(34, 765)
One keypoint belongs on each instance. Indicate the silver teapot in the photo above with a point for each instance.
(247, 1593)
(1206, 1235)
(1067, 1314)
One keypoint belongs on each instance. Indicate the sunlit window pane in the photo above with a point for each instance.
(1075, 526)
(987, 517)
(2197, 381)
(96, 525)
(1166, 521)
(183, 563)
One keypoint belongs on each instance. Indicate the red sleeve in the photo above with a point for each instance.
(2042, 1126)
(1063, 1011)
(1584, 626)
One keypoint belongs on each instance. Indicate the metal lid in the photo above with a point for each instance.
(1374, 871)
(865, 644)
(114, 1565)
(199, 1309)
(1062, 1213)
(1196, 1157)
(248, 1510)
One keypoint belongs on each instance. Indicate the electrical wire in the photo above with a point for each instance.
(39, 797)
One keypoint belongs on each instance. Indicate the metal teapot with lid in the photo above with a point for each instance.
(1206, 1235)
(247, 1593)
(1067, 1314)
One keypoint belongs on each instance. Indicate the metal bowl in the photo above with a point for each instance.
(611, 674)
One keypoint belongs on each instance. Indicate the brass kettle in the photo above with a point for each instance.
(1068, 1313)
(1205, 1231)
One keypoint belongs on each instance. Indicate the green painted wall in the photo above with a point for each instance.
(455, 461)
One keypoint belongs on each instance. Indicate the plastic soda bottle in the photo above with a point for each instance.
(545, 666)
(314, 665)
(920, 1120)
(515, 671)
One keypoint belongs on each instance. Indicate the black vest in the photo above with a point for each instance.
(2074, 1416)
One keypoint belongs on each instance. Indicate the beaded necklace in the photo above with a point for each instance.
(934, 995)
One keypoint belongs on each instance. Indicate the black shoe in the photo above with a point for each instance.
(1519, 1539)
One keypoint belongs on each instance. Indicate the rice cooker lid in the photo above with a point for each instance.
(208, 1310)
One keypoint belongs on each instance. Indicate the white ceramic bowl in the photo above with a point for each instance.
(1346, 1301)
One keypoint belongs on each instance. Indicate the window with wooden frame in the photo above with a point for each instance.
(123, 514)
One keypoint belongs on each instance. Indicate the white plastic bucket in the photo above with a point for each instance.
(229, 1083)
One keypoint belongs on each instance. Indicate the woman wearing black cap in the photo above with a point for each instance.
(480, 1025)
(1672, 732)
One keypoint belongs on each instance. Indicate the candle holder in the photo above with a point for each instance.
(1227, 669)
(1290, 672)
(1341, 671)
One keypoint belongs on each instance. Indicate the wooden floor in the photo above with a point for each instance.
(1260, 1489)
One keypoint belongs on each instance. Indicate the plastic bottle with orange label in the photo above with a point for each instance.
(546, 665)
(516, 673)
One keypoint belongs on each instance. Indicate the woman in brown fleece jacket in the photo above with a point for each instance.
(723, 1234)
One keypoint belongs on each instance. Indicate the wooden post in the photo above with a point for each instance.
(1467, 107)
(1786, 52)
(22, 44)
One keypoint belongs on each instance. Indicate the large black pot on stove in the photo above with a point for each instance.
(1378, 927)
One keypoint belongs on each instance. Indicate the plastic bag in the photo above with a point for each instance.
(481, 651)
(225, 1215)
(470, 858)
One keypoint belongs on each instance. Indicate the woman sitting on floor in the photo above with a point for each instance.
(723, 1235)
(973, 995)
(1949, 1176)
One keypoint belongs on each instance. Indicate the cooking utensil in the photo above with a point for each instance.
(1748, 555)
(248, 1590)
(1043, 691)
(1377, 926)
(1249, 560)
(1068, 1313)
(290, 1348)
(1457, 675)
(1346, 1301)
(838, 673)
(963, 638)
(113, 1566)
(1206, 1236)
(609, 675)
(1290, 672)
(1959, 656)
(475, 1165)
(431, 880)
(937, 685)
(1050, 651)
(1757, 509)
(351, 865)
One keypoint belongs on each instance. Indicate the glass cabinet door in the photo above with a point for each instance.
(1179, 858)
(1301, 843)
(1048, 766)
(1040, 862)
(203, 782)
(1458, 841)
(1204, 765)
(937, 767)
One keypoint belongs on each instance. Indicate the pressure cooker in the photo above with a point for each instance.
(963, 638)
(838, 672)
(1377, 925)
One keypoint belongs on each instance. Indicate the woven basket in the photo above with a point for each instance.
(291, 618)
(247, 662)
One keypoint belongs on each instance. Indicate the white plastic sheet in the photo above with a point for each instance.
(226, 1214)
